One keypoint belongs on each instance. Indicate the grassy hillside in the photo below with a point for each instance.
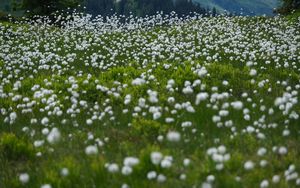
(156, 102)
(252, 7)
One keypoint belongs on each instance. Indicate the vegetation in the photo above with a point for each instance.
(159, 101)
(47, 7)
(289, 6)
(142, 7)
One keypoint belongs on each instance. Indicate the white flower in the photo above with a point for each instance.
(138, 82)
(38, 143)
(210, 178)
(264, 184)
(169, 120)
(45, 121)
(64, 172)
(113, 168)
(253, 72)
(298, 181)
(187, 90)
(124, 185)
(53, 136)
(46, 186)
(237, 105)
(225, 82)
(151, 175)
(222, 149)
(263, 163)
(173, 136)
(127, 99)
(156, 115)
(161, 178)
(201, 97)
(261, 151)
(202, 72)
(276, 179)
(249, 165)
(126, 170)
(286, 132)
(152, 96)
(45, 131)
(186, 162)
(182, 176)
(160, 138)
(166, 163)
(217, 158)
(156, 157)
(131, 161)
(282, 150)
(219, 166)
(89, 122)
(206, 185)
(223, 113)
(24, 178)
(91, 150)
(216, 119)
(13, 116)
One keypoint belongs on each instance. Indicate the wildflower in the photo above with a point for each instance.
(24, 178)
(46, 186)
(173, 136)
(156, 157)
(64, 172)
(264, 184)
(138, 82)
(113, 168)
(249, 165)
(131, 161)
(53, 136)
(126, 170)
(282, 150)
(276, 179)
(151, 175)
(161, 178)
(91, 150)
(186, 162)
(261, 151)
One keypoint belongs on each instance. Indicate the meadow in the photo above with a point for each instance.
(159, 101)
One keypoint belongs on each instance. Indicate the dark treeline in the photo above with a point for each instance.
(121, 7)
(142, 7)
(289, 6)
(103, 7)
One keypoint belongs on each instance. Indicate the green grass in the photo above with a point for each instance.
(128, 135)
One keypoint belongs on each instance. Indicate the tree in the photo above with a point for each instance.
(214, 11)
(288, 6)
(102, 7)
(47, 7)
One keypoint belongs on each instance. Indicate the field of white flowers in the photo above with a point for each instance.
(150, 102)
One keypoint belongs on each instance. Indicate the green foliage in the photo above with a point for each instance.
(142, 7)
(14, 148)
(3, 16)
(147, 128)
(137, 136)
(289, 6)
(47, 7)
